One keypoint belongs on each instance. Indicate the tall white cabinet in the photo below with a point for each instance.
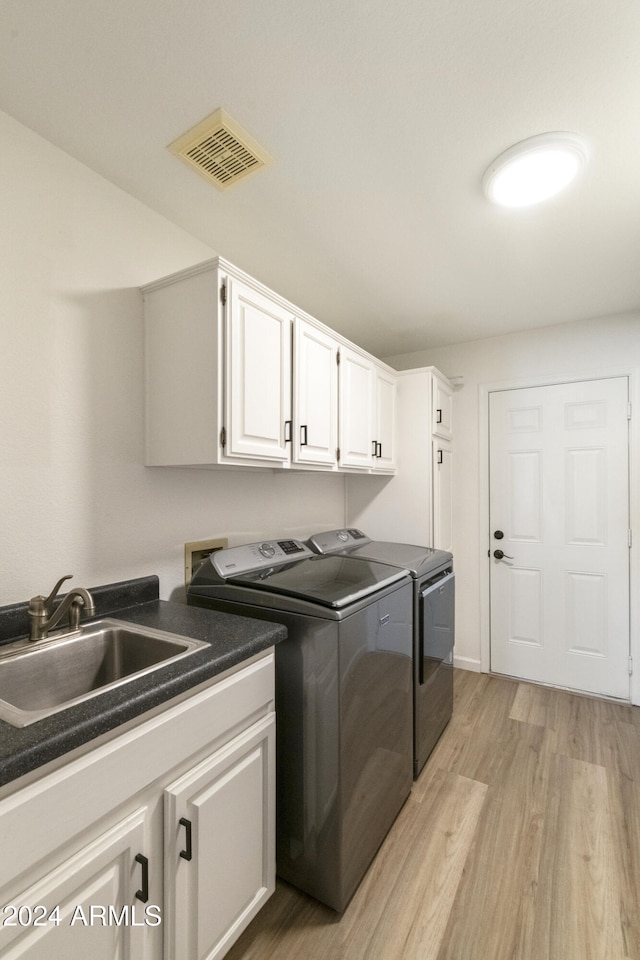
(442, 508)
(415, 505)
(442, 461)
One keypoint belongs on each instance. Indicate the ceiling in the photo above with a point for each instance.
(381, 120)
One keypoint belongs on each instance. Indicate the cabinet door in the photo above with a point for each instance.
(258, 375)
(442, 409)
(442, 495)
(385, 456)
(220, 845)
(315, 393)
(87, 906)
(357, 405)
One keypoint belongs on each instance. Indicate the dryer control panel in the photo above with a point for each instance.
(338, 541)
(256, 556)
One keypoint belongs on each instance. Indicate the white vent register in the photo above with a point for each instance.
(220, 150)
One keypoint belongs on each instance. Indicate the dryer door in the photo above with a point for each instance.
(434, 676)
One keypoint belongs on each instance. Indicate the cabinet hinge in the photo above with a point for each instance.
(338, 358)
(628, 411)
(630, 665)
(223, 293)
(629, 537)
(223, 437)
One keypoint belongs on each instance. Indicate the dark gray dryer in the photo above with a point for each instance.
(343, 701)
(433, 615)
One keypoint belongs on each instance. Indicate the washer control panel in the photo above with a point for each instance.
(256, 556)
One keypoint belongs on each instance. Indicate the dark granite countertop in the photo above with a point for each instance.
(231, 640)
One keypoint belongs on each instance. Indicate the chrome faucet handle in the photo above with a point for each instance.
(42, 605)
(54, 592)
(43, 618)
(40, 609)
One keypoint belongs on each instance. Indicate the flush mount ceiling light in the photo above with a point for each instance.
(534, 169)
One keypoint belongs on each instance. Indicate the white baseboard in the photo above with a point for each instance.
(467, 663)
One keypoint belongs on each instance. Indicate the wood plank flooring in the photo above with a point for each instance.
(520, 841)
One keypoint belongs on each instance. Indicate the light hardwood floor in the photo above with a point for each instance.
(520, 841)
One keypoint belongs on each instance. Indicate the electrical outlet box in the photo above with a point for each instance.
(197, 551)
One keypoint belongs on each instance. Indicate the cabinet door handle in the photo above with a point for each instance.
(374, 448)
(143, 892)
(287, 430)
(303, 442)
(439, 456)
(378, 450)
(187, 853)
(438, 416)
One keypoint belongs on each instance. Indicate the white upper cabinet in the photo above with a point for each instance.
(236, 375)
(357, 410)
(217, 370)
(315, 395)
(385, 449)
(367, 414)
(442, 408)
(183, 370)
(258, 365)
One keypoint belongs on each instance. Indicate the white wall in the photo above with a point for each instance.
(569, 351)
(74, 494)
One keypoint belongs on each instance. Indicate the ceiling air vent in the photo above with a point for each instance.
(220, 150)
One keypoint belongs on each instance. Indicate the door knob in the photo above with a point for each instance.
(498, 534)
(500, 555)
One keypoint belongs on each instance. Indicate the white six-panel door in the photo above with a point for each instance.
(559, 494)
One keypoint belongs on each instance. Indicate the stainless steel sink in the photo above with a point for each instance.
(41, 678)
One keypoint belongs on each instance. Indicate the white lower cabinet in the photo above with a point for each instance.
(85, 906)
(157, 844)
(217, 880)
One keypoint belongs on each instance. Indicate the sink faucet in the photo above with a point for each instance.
(44, 618)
